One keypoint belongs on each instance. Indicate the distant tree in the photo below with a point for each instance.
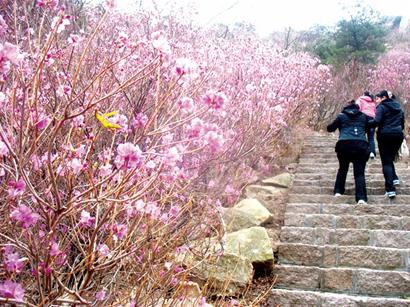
(359, 39)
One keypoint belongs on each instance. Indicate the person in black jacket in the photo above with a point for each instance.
(390, 121)
(352, 146)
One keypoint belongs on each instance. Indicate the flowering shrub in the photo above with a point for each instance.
(392, 73)
(119, 140)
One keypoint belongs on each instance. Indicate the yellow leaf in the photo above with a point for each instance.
(105, 122)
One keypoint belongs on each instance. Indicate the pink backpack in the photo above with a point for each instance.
(367, 105)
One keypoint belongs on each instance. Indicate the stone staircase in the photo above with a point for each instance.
(334, 252)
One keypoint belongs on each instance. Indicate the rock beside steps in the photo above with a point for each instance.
(334, 252)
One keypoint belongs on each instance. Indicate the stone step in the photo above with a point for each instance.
(346, 237)
(335, 164)
(332, 221)
(400, 210)
(318, 149)
(331, 176)
(346, 199)
(327, 256)
(333, 170)
(350, 190)
(355, 282)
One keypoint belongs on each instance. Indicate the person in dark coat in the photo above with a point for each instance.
(390, 122)
(352, 147)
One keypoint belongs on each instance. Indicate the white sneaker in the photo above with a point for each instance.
(338, 194)
(391, 194)
(396, 182)
(361, 202)
(372, 155)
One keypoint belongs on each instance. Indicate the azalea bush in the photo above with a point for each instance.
(392, 73)
(121, 137)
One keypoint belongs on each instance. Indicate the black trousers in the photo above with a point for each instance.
(389, 145)
(358, 154)
(370, 138)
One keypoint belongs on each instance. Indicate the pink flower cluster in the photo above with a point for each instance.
(128, 156)
(12, 290)
(9, 54)
(25, 216)
(215, 100)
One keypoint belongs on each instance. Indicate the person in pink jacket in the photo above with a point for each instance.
(367, 105)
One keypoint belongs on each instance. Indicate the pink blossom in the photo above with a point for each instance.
(100, 295)
(3, 26)
(55, 249)
(186, 104)
(174, 210)
(172, 156)
(105, 170)
(4, 151)
(150, 164)
(119, 231)
(42, 123)
(13, 290)
(16, 188)
(10, 52)
(2, 98)
(184, 66)
(78, 121)
(12, 261)
(120, 119)
(152, 209)
(160, 43)
(25, 216)
(139, 121)
(74, 40)
(140, 206)
(128, 156)
(47, 3)
(63, 90)
(103, 250)
(76, 166)
(195, 128)
(214, 140)
(86, 220)
(215, 100)
(110, 4)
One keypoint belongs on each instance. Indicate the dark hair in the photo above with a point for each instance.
(367, 93)
(351, 102)
(382, 94)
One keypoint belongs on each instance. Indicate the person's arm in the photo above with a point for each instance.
(334, 125)
(368, 126)
(402, 120)
(377, 120)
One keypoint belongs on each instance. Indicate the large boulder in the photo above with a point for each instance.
(256, 191)
(254, 208)
(247, 213)
(252, 243)
(236, 219)
(229, 274)
(283, 180)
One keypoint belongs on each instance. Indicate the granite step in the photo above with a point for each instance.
(350, 189)
(346, 199)
(341, 287)
(385, 222)
(346, 237)
(398, 210)
(330, 256)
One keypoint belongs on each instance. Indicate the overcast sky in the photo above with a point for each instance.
(270, 15)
